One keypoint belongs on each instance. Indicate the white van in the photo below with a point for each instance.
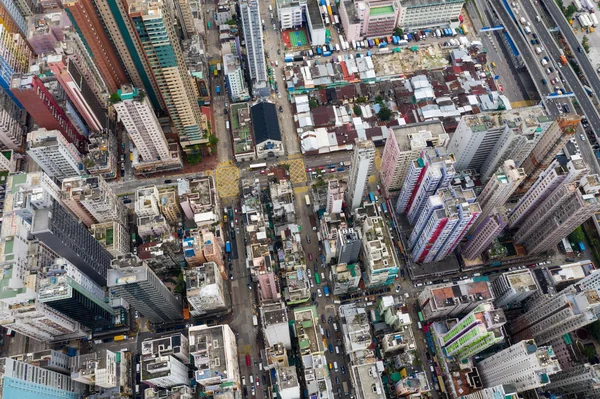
(538, 50)
(277, 62)
(251, 379)
(335, 327)
(335, 367)
(270, 7)
(323, 276)
(337, 350)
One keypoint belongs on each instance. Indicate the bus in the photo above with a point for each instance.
(371, 197)
(133, 237)
(228, 247)
(588, 90)
(421, 316)
(258, 166)
(441, 383)
(307, 199)
(317, 278)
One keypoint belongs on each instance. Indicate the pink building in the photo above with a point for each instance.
(369, 19)
(487, 230)
(45, 32)
(59, 65)
(444, 221)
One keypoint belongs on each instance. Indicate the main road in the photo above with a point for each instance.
(567, 32)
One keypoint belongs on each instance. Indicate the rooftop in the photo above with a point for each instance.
(415, 136)
(521, 280)
(462, 291)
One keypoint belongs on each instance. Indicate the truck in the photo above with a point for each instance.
(218, 89)
(228, 247)
(319, 51)
(588, 90)
(120, 337)
(563, 59)
(581, 246)
(307, 199)
(254, 320)
(326, 291)
(594, 19)
(313, 222)
(523, 20)
(227, 125)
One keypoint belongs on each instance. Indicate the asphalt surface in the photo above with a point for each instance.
(582, 58)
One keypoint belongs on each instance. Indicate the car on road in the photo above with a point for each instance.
(310, 257)
(248, 360)
(397, 288)
(250, 286)
(231, 276)
(243, 380)
(313, 296)
(307, 239)
(582, 137)
(330, 320)
(264, 379)
(316, 267)
(327, 333)
(337, 379)
(168, 181)
(322, 317)
(330, 348)
(343, 369)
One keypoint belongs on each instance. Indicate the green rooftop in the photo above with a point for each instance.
(377, 11)
(17, 180)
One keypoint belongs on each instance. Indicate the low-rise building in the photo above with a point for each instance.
(450, 300)
(416, 14)
(275, 325)
(243, 143)
(297, 289)
(174, 345)
(366, 380)
(345, 278)
(199, 200)
(356, 330)
(96, 368)
(214, 350)
(113, 236)
(267, 133)
(169, 205)
(205, 289)
(102, 156)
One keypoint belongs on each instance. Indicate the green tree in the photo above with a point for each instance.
(398, 32)
(569, 11)
(577, 235)
(384, 114)
(312, 103)
(595, 330)
(114, 98)
(357, 110)
(194, 159)
(213, 140)
(180, 287)
(379, 99)
(361, 100)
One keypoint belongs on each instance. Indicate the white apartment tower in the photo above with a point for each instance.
(484, 141)
(582, 380)
(253, 35)
(513, 287)
(54, 154)
(137, 115)
(524, 364)
(576, 306)
(362, 164)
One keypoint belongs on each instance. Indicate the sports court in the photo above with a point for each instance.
(295, 38)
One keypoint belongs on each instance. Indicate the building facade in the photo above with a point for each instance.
(513, 287)
(253, 35)
(362, 164)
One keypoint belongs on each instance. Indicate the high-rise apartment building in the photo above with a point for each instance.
(17, 15)
(92, 31)
(432, 171)
(379, 259)
(12, 123)
(345, 278)
(348, 245)
(153, 20)
(547, 182)
(506, 391)
(513, 287)
(54, 154)
(487, 230)
(20, 379)
(131, 279)
(564, 210)
(16, 54)
(39, 102)
(474, 333)
(500, 187)
(524, 365)
(444, 221)
(66, 289)
(576, 306)
(142, 126)
(253, 35)
(60, 231)
(580, 381)
(362, 164)
(87, 106)
(234, 78)
(403, 146)
(484, 141)
(92, 200)
(551, 143)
